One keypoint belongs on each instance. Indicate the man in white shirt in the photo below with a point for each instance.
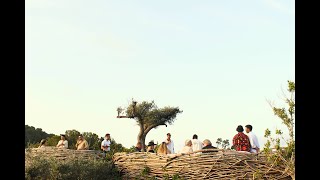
(105, 144)
(63, 143)
(255, 147)
(196, 144)
(169, 143)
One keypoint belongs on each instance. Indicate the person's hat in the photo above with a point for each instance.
(151, 143)
(63, 135)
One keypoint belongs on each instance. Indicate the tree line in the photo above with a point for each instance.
(33, 136)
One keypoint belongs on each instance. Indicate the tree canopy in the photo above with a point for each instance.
(149, 116)
(34, 135)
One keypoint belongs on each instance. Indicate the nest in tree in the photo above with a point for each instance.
(197, 165)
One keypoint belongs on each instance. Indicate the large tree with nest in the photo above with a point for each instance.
(148, 116)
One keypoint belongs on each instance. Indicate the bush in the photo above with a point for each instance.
(41, 168)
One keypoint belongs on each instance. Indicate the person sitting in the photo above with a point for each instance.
(188, 147)
(241, 141)
(163, 149)
(151, 147)
(208, 145)
(82, 144)
(63, 143)
(43, 143)
(196, 143)
(138, 147)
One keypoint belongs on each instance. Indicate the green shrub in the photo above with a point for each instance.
(41, 168)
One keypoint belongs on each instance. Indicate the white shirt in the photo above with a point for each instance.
(65, 144)
(186, 149)
(253, 141)
(196, 144)
(106, 143)
(170, 146)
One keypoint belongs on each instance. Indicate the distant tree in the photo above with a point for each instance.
(93, 140)
(34, 135)
(218, 142)
(149, 116)
(72, 137)
(53, 141)
(225, 143)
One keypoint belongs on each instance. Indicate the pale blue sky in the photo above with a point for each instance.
(217, 60)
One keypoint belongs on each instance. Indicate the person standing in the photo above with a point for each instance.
(196, 144)
(241, 141)
(255, 147)
(82, 144)
(169, 143)
(105, 144)
(63, 143)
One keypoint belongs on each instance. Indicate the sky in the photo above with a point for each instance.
(218, 61)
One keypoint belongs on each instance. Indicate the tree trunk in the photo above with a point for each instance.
(141, 138)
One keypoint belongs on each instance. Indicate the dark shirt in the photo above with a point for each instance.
(241, 142)
(210, 147)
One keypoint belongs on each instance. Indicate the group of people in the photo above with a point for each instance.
(81, 144)
(167, 146)
(246, 142)
(241, 142)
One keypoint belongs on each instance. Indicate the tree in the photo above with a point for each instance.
(34, 135)
(149, 116)
(219, 141)
(225, 143)
(93, 140)
(53, 141)
(72, 137)
(283, 155)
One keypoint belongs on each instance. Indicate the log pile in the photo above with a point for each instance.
(210, 165)
(60, 153)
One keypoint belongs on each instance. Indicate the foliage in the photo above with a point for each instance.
(41, 168)
(176, 177)
(72, 137)
(219, 142)
(145, 171)
(149, 116)
(285, 155)
(93, 140)
(34, 135)
(225, 143)
(53, 141)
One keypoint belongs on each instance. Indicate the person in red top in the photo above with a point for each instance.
(241, 141)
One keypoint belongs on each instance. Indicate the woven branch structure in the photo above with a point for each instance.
(197, 165)
(60, 154)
